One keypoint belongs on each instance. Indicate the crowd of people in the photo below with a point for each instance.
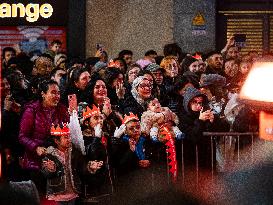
(87, 128)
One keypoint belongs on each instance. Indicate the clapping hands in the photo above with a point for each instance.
(93, 166)
(49, 165)
(106, 109)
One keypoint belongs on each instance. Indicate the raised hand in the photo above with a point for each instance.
(98, 130)
(93, 166)
(106, 109)
(120, 90)
(120, 131)
(206, 115)
(144, 163)
(49, 165)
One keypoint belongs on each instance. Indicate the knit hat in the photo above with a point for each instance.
(99, 65)
(154, 67)
(187, 61)
(212, 79)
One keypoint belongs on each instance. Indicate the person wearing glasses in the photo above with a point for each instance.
(196, 119)
(141, 93)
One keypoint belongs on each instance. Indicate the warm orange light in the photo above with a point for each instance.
(259, 83)
(258, 88)
(266, 126)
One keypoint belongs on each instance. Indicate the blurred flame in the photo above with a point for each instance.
(259, 83)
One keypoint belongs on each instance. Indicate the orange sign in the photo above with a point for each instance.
(266, 126)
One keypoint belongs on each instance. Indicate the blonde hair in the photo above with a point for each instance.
(167, 60)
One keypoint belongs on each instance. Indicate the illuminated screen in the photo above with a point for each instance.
(33, 40)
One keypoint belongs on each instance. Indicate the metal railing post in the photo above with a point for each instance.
(183, 165)
(238, 153)
(197, 165)
(212, 158)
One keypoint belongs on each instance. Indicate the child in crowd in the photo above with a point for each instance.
(62, 166)
(156, 117)
(133, 149)
(99, 183)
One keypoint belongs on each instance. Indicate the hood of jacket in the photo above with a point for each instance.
(191, 93)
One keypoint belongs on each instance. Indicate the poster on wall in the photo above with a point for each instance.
(199, 27)
(33, 40)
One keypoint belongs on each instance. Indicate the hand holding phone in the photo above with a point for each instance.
(239, 38)
(72, 101)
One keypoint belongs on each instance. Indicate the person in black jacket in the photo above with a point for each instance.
(196, 120)
(9, 144)
(99, 183)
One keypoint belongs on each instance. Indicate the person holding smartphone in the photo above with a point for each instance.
(231, 50)
(196, 119)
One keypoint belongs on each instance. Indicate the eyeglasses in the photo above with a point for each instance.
(197, 103)
(146, 86)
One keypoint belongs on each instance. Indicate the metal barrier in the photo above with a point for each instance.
(219, 138)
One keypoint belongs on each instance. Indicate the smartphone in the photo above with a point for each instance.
(206, 107)
(72, 102)
(81, 107)
(239, 38)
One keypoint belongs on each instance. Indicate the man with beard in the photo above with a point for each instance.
(215, 63)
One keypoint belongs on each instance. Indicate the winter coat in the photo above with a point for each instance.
(247, 120)
(56, 183)
(131, 105)
(194, 128)
(98, 183)
(124, 159)
(170, 95)
(35, 128)
(9, 131)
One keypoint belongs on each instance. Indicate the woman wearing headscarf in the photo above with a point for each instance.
(141, 92)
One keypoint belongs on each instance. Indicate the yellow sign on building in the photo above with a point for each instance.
(198, 20)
